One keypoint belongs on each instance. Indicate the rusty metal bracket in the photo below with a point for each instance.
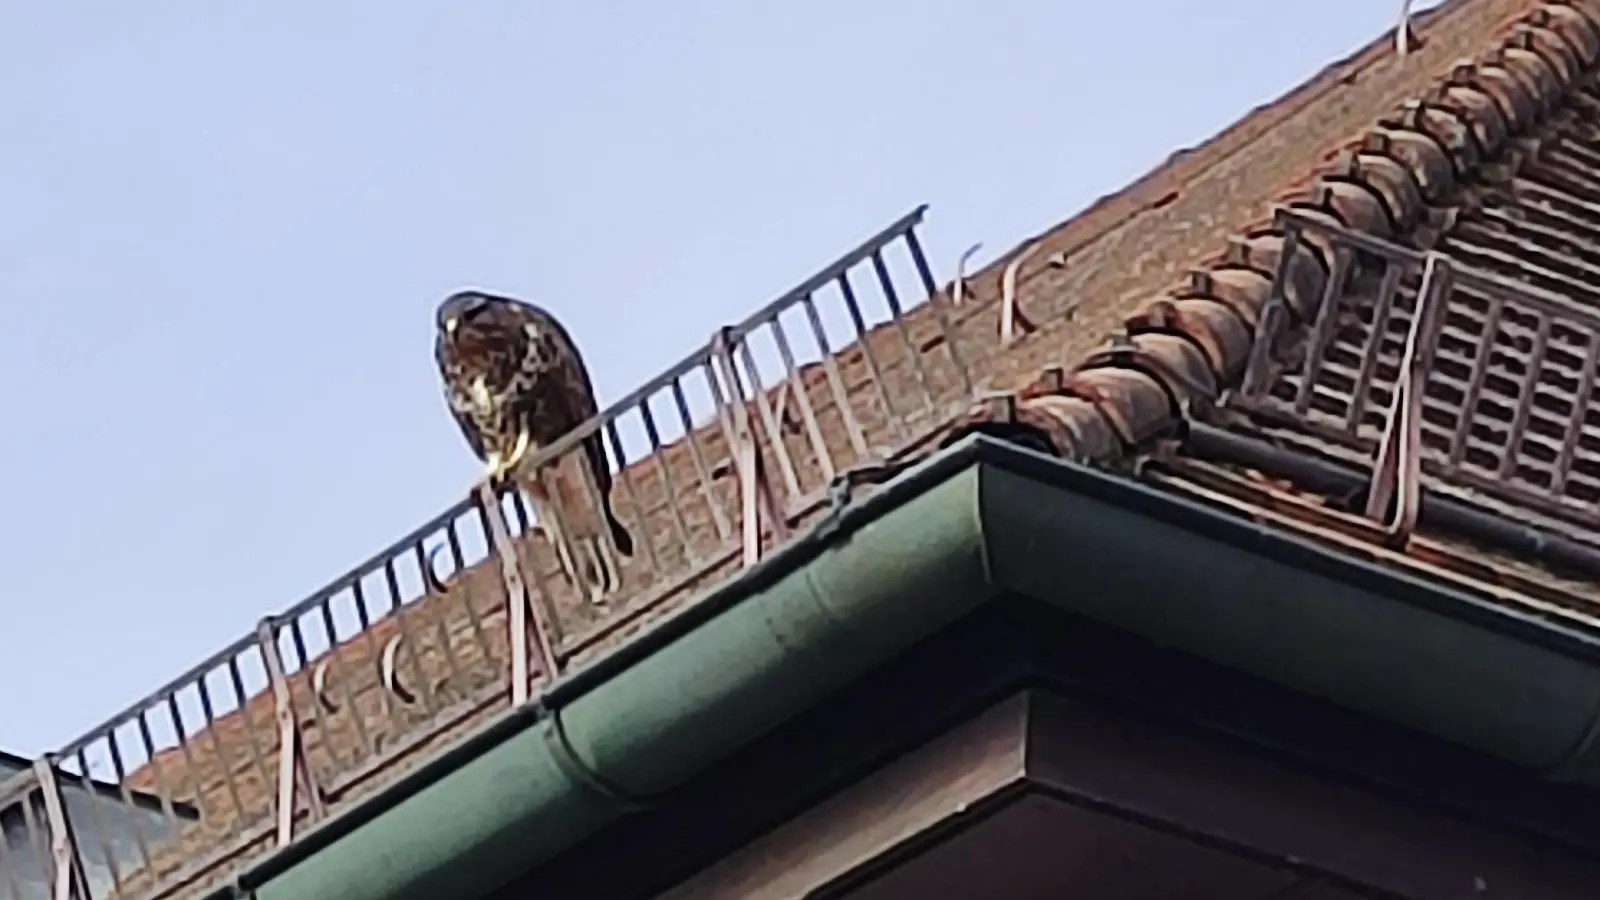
(520, 602)
(430, 570)
(389, 673)
(758, 504)
(1010, 316)
(1404, 38)
(294, 768)
(1397, 471)
(319, 687)
(67, 878)
(958, 285)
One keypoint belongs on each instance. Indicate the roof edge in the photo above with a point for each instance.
(963, 528)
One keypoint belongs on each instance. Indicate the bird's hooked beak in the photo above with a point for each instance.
(451, 324)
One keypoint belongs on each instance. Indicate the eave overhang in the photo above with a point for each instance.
(978, 521)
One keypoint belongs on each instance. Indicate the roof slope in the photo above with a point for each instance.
(1496, 170)
(1123, 258)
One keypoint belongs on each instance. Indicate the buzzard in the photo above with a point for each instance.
(515, 383)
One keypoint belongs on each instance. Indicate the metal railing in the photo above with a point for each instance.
(1435, 370)
(715, 462)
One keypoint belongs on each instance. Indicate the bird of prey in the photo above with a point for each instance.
(516, 383)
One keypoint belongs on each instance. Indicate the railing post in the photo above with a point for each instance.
(294, 767)
(68, 881)
(758, 506)
(519, 603)
(1397, 471)
(1274, 313)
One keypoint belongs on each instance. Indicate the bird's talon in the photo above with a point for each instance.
(518, 451)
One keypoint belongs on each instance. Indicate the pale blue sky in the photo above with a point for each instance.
(224, 227)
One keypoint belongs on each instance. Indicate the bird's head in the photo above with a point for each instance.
(462, 309)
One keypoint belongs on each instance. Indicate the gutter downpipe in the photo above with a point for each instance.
(977, 520)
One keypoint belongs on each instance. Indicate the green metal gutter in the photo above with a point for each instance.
(979, 520)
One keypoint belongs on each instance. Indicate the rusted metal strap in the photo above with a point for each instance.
(1403, 37)
(758, 504)
(520, 603)
(958, 285)
(67, 880)
(1397, 471)
(294, 767)
(1010, 316)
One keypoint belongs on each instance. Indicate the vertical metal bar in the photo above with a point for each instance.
(1476, 379)
(341, 673)
(754, 489)
(519, 603)
(293, 765)
(532, 578)
(605, 548)
(430, 703)
(640, 514)
(8, 866)
(858, 322)
(748, 507)
(391, 585)
(163, 793)
(458, 560)
(516, 598)
(241, 699)
(97, 824)
(758, 393)
(67, 875)
(127, 806)
(474, 621)
(1574, 430)
(1372, 348)
(551, 514)
(298, 639)
(452, 539)
(358, 599)
(841, 396)
(1322, 327)
(1274, 316)
(452, 668)
(524, 522)
(669, 485)
(951, 335)
(221, 752)
(724, 407)
(1530, 380)
(696, 454)
(38, 835)
(1398, 466)
(190, 778)
(802, 396)
(913, 358)
(742, 451)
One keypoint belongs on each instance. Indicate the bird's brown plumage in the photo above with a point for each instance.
(510, 366)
